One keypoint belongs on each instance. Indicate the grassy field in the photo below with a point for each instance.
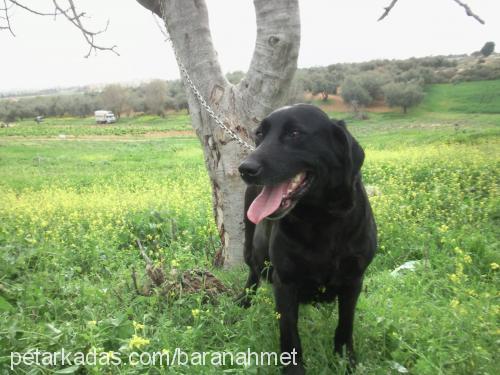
(72, 210)
(464, 97)
(78, 127)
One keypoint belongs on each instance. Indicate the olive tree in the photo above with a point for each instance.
(404, 95)
(155, 97)
(114, 98)
(352, 91)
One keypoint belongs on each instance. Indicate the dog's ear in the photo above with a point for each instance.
(353, 153)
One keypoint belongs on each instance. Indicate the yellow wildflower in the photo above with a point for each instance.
(443, 228)
(137, 325)
(137, 342)
(454, 278)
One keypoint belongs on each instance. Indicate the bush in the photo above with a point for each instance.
(487, 49)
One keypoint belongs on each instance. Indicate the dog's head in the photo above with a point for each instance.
(301, 155)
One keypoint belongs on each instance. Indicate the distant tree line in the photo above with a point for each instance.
(398, 83)
(156, 97)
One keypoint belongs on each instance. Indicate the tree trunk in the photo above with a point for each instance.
(264, 88)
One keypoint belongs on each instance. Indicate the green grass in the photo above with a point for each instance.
(72, 210)
(71, 126)
(464, 97)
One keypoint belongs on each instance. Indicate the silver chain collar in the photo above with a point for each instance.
(201, 100)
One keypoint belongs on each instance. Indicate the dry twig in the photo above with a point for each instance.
(176, 283)
(69, 12)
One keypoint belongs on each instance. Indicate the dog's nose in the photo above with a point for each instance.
(250, 168)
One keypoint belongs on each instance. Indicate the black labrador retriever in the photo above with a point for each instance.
(309, 226)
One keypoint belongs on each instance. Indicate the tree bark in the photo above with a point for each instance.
(263, 88)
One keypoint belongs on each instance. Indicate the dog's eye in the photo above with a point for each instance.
(259, 133)
(294, 133)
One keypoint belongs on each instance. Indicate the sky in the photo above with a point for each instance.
(48, 53)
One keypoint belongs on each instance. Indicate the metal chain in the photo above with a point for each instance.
(201, 100)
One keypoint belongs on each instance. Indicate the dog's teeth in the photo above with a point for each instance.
(298, 177)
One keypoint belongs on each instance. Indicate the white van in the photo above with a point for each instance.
(104, 117)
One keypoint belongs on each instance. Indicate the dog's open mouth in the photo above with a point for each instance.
(276, 201)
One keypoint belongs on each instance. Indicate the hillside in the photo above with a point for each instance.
(465, 97)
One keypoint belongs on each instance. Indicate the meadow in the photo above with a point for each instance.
(78, 127)
(73, 208)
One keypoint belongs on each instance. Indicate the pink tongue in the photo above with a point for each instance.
(267, 202)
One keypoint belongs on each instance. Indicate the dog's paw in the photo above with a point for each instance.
(350, 358)
(243, 300)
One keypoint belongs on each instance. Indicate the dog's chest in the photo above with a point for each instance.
(312, 256)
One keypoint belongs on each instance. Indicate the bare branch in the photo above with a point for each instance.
(38, 13)
(70, 13)
(74, 17)
(147, 259)
(387, 10)
(469, 11)
(7, 18)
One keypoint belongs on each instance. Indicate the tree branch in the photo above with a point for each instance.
(38, 13)
(468, 10)
(70, 13)
(274, 60)
(74, 17)
(387, 10)
(152, 5)
(7, 18)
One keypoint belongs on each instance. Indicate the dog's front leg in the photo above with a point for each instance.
(287, 308)
(347, 297)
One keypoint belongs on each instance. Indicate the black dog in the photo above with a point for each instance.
(309, 225)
